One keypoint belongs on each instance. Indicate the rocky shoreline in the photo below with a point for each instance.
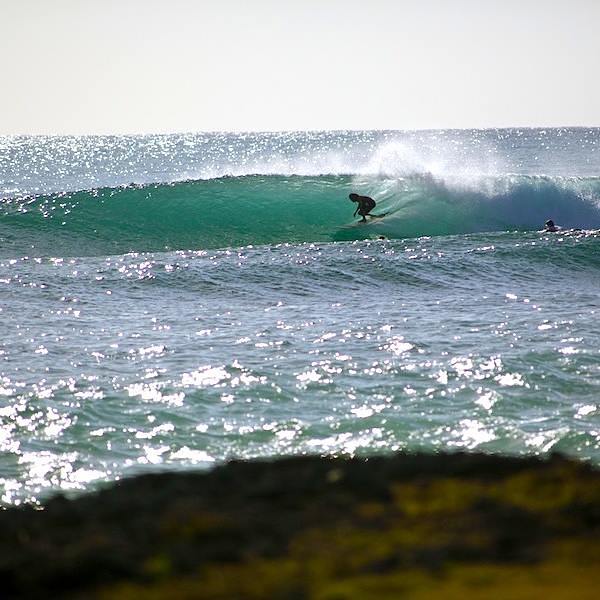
(409, 525)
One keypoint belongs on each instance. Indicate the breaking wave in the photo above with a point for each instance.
(274, 209)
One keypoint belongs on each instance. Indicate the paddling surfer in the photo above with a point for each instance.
(365, 205)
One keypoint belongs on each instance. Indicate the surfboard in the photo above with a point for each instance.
(372, 217)
(369, 220)
(344, 233)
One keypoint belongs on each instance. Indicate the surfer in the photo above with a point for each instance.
(365, 205)
(550, 226)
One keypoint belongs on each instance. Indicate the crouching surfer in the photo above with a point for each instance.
(550, 226)
(365, 205)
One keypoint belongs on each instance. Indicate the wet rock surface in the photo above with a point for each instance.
(413, 526)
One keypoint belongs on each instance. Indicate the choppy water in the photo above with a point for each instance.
(177, 301)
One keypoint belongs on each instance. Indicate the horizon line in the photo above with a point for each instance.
(291, 131)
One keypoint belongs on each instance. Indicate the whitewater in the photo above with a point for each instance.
(177, 301)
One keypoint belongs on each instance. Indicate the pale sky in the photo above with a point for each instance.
(142, 66)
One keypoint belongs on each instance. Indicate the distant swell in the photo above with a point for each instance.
(272, 209)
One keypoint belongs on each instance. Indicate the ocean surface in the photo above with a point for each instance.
(177, 301)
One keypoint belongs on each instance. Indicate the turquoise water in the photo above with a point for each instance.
(172, 302)
(276, 209)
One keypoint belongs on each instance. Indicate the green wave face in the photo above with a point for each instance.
(254, 210)
(199, 214)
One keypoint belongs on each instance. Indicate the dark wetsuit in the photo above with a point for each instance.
(365, 205)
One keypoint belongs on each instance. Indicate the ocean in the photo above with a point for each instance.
(178, 301)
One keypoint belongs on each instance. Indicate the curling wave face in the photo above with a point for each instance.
(273, 209)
